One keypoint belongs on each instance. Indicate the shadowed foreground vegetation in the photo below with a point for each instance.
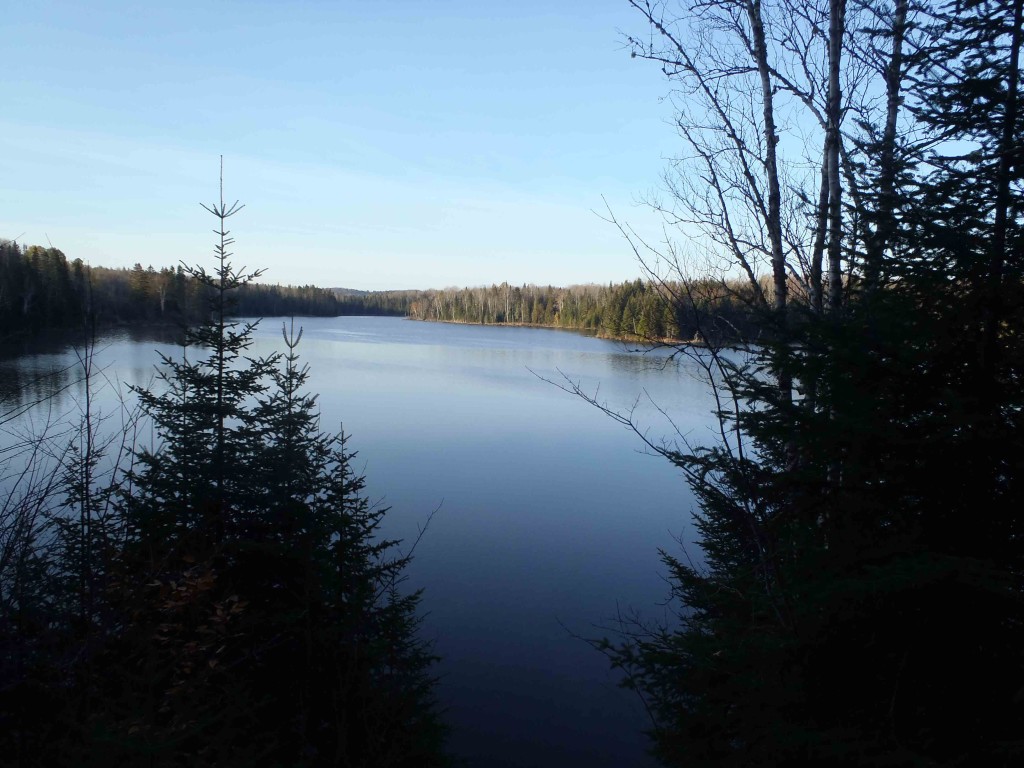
(222, 597)
(861, 595)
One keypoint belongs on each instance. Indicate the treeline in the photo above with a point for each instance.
(644, 309)
(40, 288)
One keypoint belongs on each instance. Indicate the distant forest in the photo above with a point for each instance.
(40, 288)
(645, 309)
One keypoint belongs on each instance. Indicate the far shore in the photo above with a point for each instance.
(665, 341)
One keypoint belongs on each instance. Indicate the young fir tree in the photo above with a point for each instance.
(209, 439)
(259, 617)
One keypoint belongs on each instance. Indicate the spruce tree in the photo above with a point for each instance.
(199, 473)
(259, 616)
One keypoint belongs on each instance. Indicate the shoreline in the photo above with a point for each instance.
(665, 341)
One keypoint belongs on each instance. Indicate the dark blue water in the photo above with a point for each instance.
(550, 515)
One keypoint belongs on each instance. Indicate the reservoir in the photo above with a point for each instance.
(549, 514)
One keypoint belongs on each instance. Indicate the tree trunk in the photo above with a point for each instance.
(885, 226)
(774, 222)
(1007, 157)
(836, 26)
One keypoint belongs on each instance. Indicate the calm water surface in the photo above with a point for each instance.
(550, 515)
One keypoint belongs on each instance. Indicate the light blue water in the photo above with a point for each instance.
(550, 515)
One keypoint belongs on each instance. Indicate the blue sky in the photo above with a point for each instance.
(375, 144)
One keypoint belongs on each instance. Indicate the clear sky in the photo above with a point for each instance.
(375, 143)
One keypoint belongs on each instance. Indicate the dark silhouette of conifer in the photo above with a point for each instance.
(247, 611)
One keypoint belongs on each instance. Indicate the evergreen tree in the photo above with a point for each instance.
(279, 620)
(230, 602)
(860, 600)
(200, 473)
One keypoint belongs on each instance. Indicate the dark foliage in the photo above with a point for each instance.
(40, 288)
(226, 599)
(860, 598)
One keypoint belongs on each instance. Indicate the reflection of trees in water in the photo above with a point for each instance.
(35, 435)
(22, 387)
(657, 360)
(46, 367)
(163, 334)
(42, 404)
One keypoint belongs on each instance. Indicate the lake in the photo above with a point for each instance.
(549, 519)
